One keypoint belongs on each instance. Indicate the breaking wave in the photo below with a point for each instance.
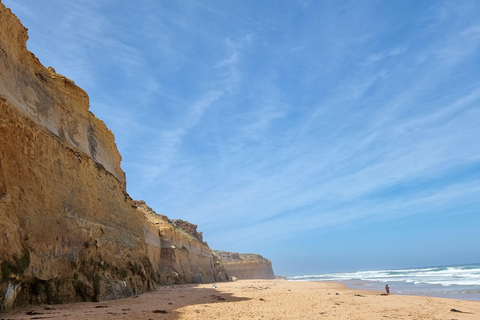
(464, 275)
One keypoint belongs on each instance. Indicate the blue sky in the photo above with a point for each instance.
(325, 135)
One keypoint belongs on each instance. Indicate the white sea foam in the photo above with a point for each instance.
(466, 275)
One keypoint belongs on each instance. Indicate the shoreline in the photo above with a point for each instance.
(409, 289)
(455, 292)
(257, 299)
(460, 281)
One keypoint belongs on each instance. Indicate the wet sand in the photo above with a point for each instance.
(258, 299)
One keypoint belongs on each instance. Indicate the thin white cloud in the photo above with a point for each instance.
(373, 58)
(233, 59)
(266, 126)
(166, 143)
(303, 221)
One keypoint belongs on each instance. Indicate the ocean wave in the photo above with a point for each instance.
(468, 275)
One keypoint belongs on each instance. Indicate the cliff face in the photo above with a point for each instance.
(53, 101)
(68, 230)
(245, 266)
(177, 251)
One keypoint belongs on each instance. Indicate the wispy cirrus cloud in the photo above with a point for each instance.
(385, 54)
(270, 124)
(166, 143)
(330, 218)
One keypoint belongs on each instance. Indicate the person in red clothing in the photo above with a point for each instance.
(387, 289)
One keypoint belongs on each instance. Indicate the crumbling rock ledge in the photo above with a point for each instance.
(177, 251)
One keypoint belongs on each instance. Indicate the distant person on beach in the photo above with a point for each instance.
(387, 289)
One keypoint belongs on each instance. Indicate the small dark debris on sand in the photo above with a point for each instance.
(101, 306)
(455, 310)
(261, 299)
(160, 311)
(359, 295)
(32, 313)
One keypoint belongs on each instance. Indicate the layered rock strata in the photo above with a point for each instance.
(68, 229)
(245, 266)
(177, 250)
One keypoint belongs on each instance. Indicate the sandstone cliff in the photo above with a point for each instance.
(245, 266)
(177, 250)
(68, 229)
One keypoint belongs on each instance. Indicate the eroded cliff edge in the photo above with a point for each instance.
(68, 229)
(177, 250)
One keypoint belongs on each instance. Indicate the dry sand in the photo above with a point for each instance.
(258, 299)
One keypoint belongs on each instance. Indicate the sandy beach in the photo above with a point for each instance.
(258, 299)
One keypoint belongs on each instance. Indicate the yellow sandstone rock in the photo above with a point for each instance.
(68, 229)
(177, 251)
(245, 265)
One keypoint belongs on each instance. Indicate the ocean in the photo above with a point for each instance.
(460, 282)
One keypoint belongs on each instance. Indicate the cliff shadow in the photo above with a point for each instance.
(163, 303)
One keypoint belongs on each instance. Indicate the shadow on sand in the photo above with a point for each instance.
(164, 303)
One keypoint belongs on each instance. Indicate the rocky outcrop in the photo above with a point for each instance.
(177, 251)
(245, 265)
(188, 227)
(68, 230)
